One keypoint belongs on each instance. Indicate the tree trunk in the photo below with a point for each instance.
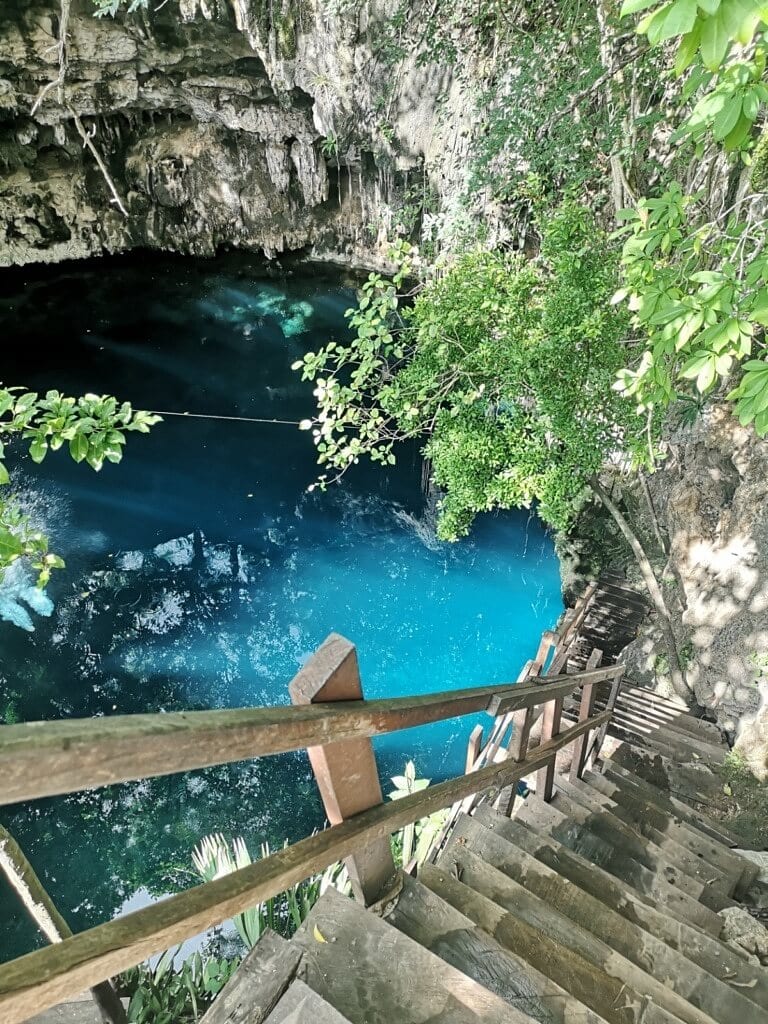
(616, 101)
(662, 542)
(42, 909)
(654, 591)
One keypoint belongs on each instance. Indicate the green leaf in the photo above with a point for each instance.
(680, 20)
(706, 377)
(726, 120)
(95, 459)
(4, 475)
(761, 423)
(693, 367)
(709, 6)
(715, 41)
(739, 135)
(635, 6)
(78, 447)
(653, 24)
(751, 104)
(733, 14)
(38, 449)
(687, 49)
(10, 546)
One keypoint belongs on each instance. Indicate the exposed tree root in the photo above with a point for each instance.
(58, 83)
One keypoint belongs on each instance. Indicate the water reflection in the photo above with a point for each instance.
(201, 574)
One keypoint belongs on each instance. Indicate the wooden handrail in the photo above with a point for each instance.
(48, 976)
(39, 759)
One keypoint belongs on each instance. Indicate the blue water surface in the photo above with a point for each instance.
(201, 573)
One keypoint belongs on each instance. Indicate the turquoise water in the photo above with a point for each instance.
(200, 573)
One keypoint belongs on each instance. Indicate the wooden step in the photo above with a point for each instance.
(693, 784)
(79, 1011)
(661, 844)
(548, 820)
(628, 842)
(713, 956)
(653, 697)
(300, 1005)
(628, 782)
(650, 819)
(678, 747)
(669, 731)
(374, 974)
(672, 718)
(570, 955)
(259, 983)
(427, 919)
(648, 952)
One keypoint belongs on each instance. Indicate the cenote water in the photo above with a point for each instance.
(201, 574)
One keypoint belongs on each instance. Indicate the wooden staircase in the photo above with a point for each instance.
(599, 907)
(593, 900)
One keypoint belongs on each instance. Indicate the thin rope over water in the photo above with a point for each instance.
(214, 416)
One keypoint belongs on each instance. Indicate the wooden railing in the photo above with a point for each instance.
(330, 718)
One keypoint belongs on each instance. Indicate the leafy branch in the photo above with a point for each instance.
(697, 285)
(92, 428)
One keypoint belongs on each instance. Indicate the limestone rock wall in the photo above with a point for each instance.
(267, 124)
(712, 501)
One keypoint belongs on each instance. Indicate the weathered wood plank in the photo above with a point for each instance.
(39, 759)
(647, 816)
(545, 777)
(44, 912)
(528, 695)
(439, 927)
(645, 950)
(254, 990)
(49, 976)
(557, 921)
(598, 981)
(345, 771)
(662, 843)
(300, 1005)
(586, 710)
(629, 782)
(375, 974)
(609, 854)
(473, 748)
(661, 919)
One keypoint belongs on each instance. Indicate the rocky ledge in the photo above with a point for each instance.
(266, 124)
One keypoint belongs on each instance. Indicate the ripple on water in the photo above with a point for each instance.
(201, 574)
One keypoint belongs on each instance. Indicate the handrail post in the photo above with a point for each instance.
(473, 748)
(23, 878)
(586, 709)
(545, 777)
(345, 770)
(597, 746)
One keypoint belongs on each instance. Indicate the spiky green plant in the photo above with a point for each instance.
(413, 842)
(213, 858)
(283, 913)
(175, 993)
